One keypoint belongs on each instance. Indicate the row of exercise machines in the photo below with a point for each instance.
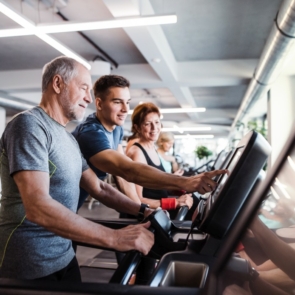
(193, 257)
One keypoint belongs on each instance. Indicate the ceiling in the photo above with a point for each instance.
(205, 60)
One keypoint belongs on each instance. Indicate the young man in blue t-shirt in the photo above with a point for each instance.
(100, 138)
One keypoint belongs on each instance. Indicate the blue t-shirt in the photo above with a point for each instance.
(94, 138)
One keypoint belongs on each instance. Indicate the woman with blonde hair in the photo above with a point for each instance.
(165, 142)
(146, 125)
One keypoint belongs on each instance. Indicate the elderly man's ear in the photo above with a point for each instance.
(57, 84)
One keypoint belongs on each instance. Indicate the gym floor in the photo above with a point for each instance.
(97, 266)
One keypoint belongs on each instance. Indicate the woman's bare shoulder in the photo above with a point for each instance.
(136, 154)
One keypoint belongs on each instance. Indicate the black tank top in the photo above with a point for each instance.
(147, 192)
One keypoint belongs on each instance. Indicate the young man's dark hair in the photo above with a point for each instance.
(103, 84)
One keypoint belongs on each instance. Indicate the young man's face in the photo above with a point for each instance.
(76, 95)
(113, 110)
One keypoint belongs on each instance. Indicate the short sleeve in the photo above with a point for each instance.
(121, 135)
(26, 144)
(84, 164)
(92, 142)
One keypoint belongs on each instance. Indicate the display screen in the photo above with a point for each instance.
(222, 180)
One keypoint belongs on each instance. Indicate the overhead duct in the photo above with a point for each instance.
(272, 58)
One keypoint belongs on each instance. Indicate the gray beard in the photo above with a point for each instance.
(68, 108)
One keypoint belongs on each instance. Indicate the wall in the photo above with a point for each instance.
(281, 110)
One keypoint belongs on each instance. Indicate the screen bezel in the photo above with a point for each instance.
(256, 149)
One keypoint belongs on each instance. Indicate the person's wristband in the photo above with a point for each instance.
(168, 203)
(143, 206)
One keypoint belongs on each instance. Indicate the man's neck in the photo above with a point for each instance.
(53, 109)
(103, 122)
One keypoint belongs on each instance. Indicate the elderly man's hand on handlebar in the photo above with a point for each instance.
(185, 200)
(203, 183)
(134, 237)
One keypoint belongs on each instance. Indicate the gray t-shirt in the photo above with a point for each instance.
(34, 141)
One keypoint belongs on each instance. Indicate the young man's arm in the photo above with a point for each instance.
(115, 163)
(43, 210)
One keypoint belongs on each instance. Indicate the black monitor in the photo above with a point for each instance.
(225, 202)
(272, 208)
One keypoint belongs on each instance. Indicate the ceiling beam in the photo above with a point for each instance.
(153, 45)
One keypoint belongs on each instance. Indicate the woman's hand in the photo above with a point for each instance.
(185, 200)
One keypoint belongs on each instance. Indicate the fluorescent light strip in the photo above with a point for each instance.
(110, 24)
(177, 129)
(100, 25)
(15, 32)
(182, 110)
(63, 49)
(178, 110)
(5, 9)
(181, 129)
(194, 136)
(12, 103)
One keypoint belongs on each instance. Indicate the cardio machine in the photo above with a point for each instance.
(212, 220)
(186, 263)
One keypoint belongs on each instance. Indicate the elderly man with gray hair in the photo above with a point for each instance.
(41, 171)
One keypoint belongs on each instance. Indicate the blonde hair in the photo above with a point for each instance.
(164, 137)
